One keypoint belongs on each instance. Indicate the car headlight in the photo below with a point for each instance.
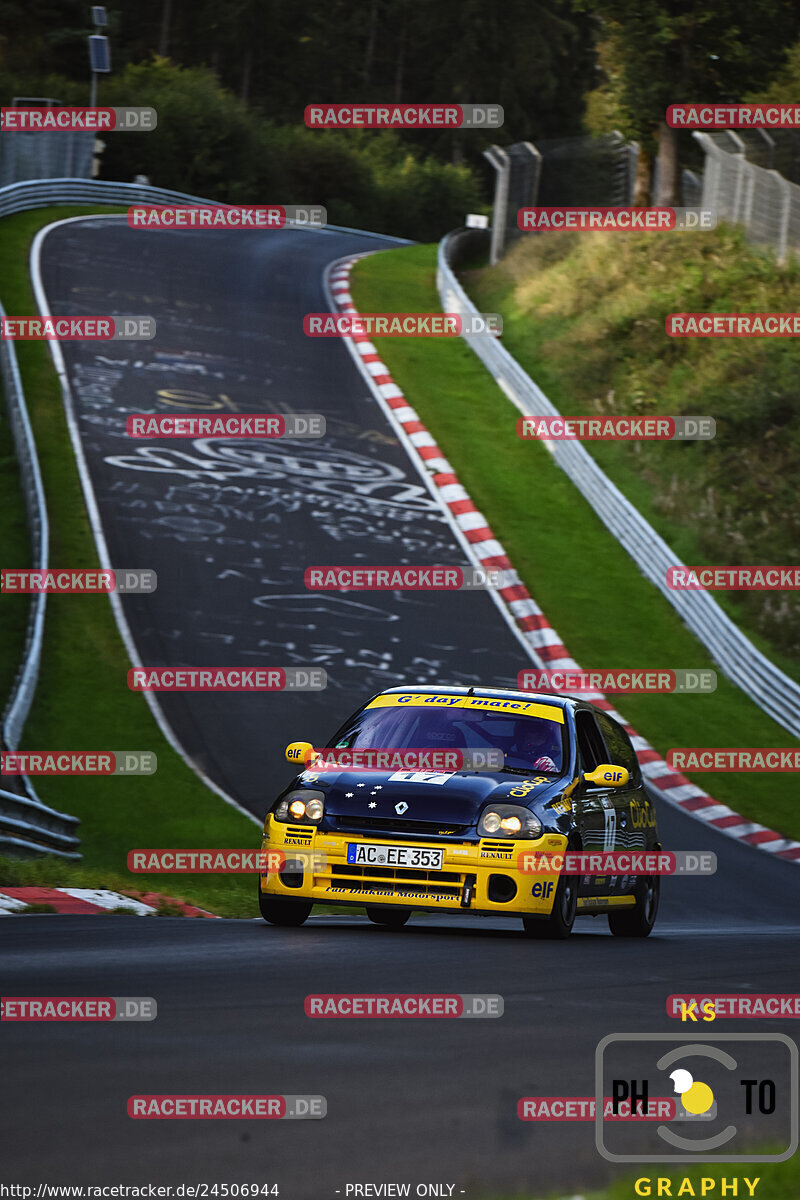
(300, 806)
(509, 820)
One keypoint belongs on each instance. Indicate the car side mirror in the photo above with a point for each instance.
(301, 753)
(607, 775)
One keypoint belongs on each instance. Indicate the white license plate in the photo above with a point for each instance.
(372, 854)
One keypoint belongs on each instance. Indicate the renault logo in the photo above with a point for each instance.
(401, 808)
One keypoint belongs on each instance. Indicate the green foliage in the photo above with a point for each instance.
(532, 56)
(731, 500)
(665, 54)
(207, 143)
(785, 87)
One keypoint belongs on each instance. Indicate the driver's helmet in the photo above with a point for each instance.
(536, 742)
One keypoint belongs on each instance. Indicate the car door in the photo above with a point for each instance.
(595, 805)
(630, 803)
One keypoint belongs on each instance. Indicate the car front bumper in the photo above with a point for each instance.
(479, 877)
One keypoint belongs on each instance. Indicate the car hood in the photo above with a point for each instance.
(446, 797)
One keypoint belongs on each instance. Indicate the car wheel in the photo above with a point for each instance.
(559, 924)
(390, 918)
(282, 912)
(638, 921)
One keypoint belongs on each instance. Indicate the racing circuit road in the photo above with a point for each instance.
(230, 526)
(415, 1101)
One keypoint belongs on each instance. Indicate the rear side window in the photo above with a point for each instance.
(620, 751)
(590, 743)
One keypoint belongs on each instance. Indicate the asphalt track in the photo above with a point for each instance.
(230, 526)
(408, 1101)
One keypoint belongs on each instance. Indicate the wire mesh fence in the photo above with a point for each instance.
(558, 171)
(741, 191)
(45, 155)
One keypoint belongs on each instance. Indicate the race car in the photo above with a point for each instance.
(468, 839)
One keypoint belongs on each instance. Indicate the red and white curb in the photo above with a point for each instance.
(544, 644)
(84, 901)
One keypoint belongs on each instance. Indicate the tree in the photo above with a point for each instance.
(686, 50)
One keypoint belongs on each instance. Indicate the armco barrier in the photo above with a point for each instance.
(19, 702)
(731, 650)
(28, 827)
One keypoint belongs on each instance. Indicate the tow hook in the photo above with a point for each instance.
(468, 889)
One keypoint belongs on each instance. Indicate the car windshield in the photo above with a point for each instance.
(529, 743)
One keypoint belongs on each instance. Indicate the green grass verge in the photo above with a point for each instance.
(776, 1181)
(607, 614)
(584, 315)
(239, 899)
(16, 550)
(82, 700)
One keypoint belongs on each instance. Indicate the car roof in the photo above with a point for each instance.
(563, 702)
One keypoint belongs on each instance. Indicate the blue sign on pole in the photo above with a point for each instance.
(99, 53)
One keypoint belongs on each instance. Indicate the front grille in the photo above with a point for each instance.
(395, 825)
(404, 879)
(398, 873)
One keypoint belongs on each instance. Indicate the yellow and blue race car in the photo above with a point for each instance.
(466, 840)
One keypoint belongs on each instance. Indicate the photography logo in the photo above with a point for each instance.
(696, 1099)
(733, 1092)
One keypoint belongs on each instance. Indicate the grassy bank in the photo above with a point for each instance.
(775, 1181)
(606, 612)
(585, 316)
(82, 700)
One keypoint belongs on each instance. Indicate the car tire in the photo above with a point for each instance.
(639, 921)
(390, 918)
(277, 911)
(558, 925)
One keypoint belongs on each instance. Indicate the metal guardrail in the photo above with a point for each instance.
(21, 697)
(731, 650)
(28, 827)
(38, 193)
